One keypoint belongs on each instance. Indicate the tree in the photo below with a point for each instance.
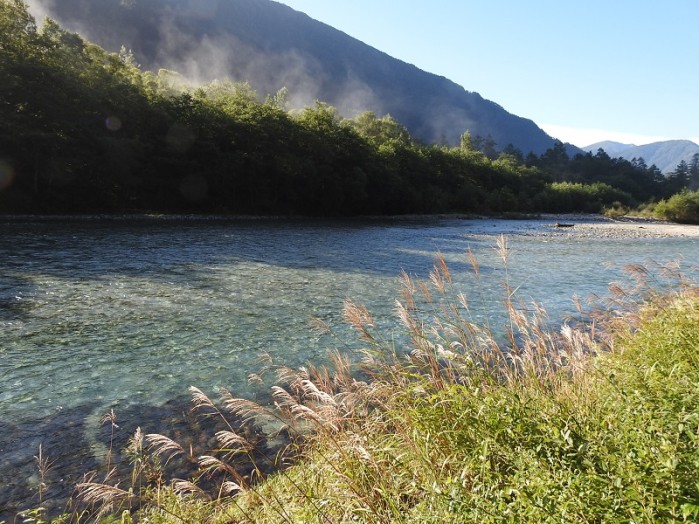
(555, 160)
(466, 142)
(512, 151)
(694, 172)
(380, 130)
(485, 145)
(678, 179)
(17, 26)
(280, 100)
(489, 147)
(127, 56)
(639, 163)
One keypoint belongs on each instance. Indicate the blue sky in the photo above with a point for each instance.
(585, 71)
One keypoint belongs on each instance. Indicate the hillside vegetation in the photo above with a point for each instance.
(270, 45)
(86, 131)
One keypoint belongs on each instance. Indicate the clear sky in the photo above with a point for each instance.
(583, 70)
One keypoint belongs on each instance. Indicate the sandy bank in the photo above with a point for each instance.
(582, 226)
(622, 228)
(636, 230)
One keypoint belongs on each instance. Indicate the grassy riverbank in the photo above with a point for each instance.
(596, 422)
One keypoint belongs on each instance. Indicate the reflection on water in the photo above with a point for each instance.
(126, 315)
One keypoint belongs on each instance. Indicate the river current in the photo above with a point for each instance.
(126, 314)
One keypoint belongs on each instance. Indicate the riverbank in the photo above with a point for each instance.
(598, 226)
(583, 225)
(126, 317)
(569, 427)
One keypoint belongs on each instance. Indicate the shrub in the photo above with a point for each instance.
(568, 197)
(616, 210)
(682, 207)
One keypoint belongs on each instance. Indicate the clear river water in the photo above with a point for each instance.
(126, 314)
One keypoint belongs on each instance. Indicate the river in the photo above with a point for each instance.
(125, 314)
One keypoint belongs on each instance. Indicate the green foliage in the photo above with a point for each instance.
(622, 448)
(635, 178)
(566, 197)
(85, 130)
(381, 131)
(694, 172)
(682, 207)
(616, 210)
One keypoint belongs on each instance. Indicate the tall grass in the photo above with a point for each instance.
(594, 421)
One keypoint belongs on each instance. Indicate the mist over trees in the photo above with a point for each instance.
(83, 130)
(270, 46)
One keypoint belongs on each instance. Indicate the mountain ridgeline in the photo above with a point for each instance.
(272, 46)
(666, 155)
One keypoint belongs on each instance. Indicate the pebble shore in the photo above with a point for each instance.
(624, 228)
(583, 226)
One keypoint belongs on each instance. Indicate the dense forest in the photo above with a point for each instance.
(270, 45)
(83, 130)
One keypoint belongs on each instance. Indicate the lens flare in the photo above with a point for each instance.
(113, 123)
(7, 174)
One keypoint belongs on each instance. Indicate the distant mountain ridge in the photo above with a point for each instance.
(666, 155)
(610, 147)
(273, 46)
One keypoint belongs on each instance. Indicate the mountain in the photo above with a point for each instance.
(611, 148)
(272, 46)
(665, 155)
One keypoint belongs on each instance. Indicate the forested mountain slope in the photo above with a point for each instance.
(272, 46)
(83, 130)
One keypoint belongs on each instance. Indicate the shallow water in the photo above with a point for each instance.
(127, 314)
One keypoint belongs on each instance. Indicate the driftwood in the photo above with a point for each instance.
(558, 224)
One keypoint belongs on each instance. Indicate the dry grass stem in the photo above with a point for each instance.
(229, 441)
(160, 445)
(43, 465)
(99, 493)
(359, 318)
(185, 487)
(407, 290)
(474, 262)
(201, 400)
(503, 249)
